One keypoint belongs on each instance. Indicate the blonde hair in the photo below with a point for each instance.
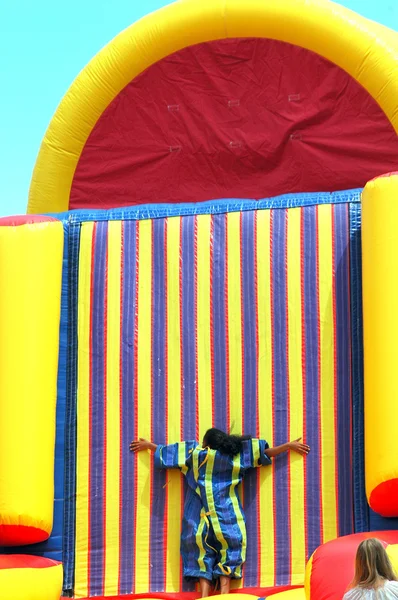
(372, 565)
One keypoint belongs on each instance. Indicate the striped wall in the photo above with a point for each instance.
(237, 320)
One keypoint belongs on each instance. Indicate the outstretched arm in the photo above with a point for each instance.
(295, 446)
(141, 444)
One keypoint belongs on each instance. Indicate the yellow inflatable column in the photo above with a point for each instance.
(380, 314)
(31, 251)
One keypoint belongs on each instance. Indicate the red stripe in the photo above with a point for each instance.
(259, 544)
(273, 371)
(121, 397)
(181, 382)
(335, 374)
(166, 400)
(304, 380)
(242, 320)
(196, 325)
(350, 338)
(137, 254)
(211, 317)
(288, 516)
(319, 371)
(106, 282)
(228, 411)
(90, 429)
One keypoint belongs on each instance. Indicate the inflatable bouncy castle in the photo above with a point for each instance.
(211, 240)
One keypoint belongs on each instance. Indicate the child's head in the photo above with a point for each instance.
(372, 565)
(226, 444)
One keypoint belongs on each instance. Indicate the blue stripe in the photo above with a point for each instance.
(129, 301)
(361, 510)
(188, 343)
(69, 531)
(311, 375)
(219, 324)
(157, 531)
(97, 450)
(343, 350)
(221, 206)
(250, 388)
(282, 532)
(188, 331)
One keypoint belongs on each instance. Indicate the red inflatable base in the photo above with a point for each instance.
(259, 592)
(21, 535)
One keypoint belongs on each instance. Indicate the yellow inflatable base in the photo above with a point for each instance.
(296, 594)
(31, 583)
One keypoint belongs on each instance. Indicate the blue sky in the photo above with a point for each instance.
(43, 46)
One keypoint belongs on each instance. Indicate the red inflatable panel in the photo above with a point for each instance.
(24, 220)
(246, 118)
(25, 561)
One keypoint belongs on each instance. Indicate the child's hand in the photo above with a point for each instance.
(297, 446)
(140, 444)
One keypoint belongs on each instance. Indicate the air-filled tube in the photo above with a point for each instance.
(380, 312)
(30, 274)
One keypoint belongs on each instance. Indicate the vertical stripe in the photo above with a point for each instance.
(310, 279)
(69, 316)
(361, 507)
(83, 412)
(234, 324)
(112, 533)
(343, 341)
(327, 373)
(282, 534)
(174, 399)
(264, 395)
(97, 410)
(250, 407)
(203, 331)
(159, 416)
(144, 401)
(188, 276)
(304, 383)
(128, 425)
(295, 380)
(218, 308)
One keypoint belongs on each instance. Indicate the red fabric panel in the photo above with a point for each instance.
(247, 118)
(25, 561)
(259, 592)
(338, 556)
(21, 535)
(24, 220)
(384, 498)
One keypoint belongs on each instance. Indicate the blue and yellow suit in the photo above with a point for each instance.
(213, 538)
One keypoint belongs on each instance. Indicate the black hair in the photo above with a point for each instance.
(226, 444)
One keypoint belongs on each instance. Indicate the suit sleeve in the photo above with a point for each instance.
(253, 454)
(174, 456)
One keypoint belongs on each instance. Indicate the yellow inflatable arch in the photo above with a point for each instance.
(365, 50)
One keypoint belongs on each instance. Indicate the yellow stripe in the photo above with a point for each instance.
(238, 512)
(327, 372)
(199, 542)
(113, 410)
(204, 382)
(182, 457)
(174, 401)
(144, 403)
(266, 496)
(83, 409)
(212, 509)
(295, 367)
(234, 322)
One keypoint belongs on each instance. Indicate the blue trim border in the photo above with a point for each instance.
(213, 207)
